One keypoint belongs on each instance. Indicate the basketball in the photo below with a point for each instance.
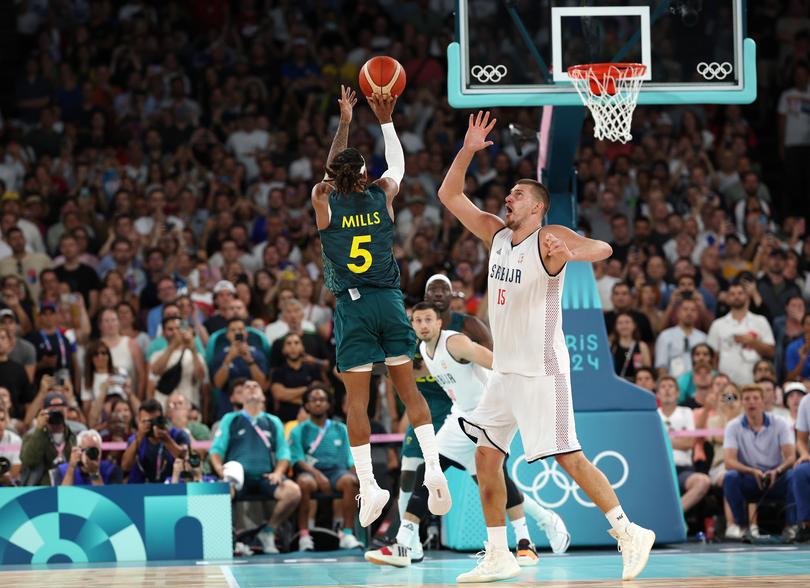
(382, 75)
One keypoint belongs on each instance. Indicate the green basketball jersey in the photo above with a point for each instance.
(438, 400)
(358, 243)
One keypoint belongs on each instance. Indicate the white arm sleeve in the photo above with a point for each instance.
(394, 156)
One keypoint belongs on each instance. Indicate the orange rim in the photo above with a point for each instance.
(608, 70)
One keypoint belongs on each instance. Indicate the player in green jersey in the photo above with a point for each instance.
(355, 217)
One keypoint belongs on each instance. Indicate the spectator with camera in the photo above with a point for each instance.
(54, 350)
(179, 367)
(255, 440)
(238, 359)
(86, 466)
(759, 453)
(740, 337)
(187, 467)
(150, 455)
(674, 345)
(319, 449)
(13, 375)
(50, 443)
(9, 458)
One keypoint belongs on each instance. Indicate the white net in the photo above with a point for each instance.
(610, 91)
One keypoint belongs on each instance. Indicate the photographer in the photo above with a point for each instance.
(150, 456)
(61, 383)
(187, 468)
(85, 467)
(759, 454)
(179, 367)
(9, 459)
(49, 444)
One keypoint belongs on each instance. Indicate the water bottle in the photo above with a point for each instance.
(710, 525)
(701, 537)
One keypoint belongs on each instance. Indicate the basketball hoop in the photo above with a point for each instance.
(610, 91)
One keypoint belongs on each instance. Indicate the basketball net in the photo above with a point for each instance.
(610, 91)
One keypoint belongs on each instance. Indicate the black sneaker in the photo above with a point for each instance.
(526, 554)
(803, 536)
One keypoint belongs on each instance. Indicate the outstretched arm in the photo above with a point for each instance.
(346, 101)
(559, 244)
(383, 108)
(320, 192)
(462, 348)
(482, 224)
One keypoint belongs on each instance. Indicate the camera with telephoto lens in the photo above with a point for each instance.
(194, 459)
(160, 422)
(5, 466)
(92, 453)
(56, 418)
(239, 337)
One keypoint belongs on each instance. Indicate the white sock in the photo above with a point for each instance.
(362, 463)
(496, 536)
(427, 441)
(402, 502)
(521, 529)
(406, 532)
(617, 519)
(535, 511)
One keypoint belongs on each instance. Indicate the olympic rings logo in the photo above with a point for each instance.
(489, 73)
(714, 70)
(561, 480)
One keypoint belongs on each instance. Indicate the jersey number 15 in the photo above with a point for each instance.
(501, 296)
(358, 252)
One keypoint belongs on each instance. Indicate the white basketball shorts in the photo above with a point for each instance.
(540, 407)
(454, 444)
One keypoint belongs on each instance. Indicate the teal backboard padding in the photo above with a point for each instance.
(630, 448)
(459, 99)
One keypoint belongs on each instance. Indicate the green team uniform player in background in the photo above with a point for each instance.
(438, 291)
(355, 218)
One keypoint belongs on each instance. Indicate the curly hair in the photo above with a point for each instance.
(346, 170)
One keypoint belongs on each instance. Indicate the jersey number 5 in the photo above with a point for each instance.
(501, 296)
(363, 254)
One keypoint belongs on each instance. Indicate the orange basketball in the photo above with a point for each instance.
(382, 75)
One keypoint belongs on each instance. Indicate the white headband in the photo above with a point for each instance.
(440, 277)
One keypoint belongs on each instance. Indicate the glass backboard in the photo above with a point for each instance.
(516, 52)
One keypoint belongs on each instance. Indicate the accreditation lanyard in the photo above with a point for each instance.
(258, 430)
(62, 349)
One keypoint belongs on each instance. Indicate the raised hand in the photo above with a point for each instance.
(479, 127)
(347, 101)
(382, 106)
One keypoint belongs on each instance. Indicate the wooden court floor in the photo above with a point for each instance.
(684, 566)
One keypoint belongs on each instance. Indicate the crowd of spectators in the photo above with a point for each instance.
(159, 253)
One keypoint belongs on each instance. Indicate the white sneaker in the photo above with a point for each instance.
(372, 501)
(417, 552)
(635, 545)
(439, 499)
(493, 565)
(268, 541)
(306, 543)
(557, 533)
(241, 550)
(733, 533)
(349, 541)
(395, 555)
(754, 529)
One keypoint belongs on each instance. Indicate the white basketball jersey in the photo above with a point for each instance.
(463, 382)
(525, 309)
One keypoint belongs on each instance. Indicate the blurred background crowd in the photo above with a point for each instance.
(158, 246)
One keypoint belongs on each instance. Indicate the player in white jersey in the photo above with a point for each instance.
(462, 367)
(530, 388)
